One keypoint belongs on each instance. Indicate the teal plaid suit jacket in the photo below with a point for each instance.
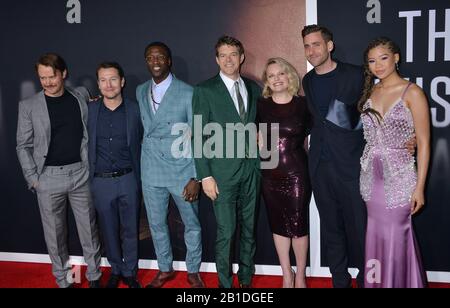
(166, 136)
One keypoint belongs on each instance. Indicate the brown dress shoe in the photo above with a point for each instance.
(195, 281)
(160, 279)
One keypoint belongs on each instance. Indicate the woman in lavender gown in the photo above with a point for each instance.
(286, 188)
(392, 112)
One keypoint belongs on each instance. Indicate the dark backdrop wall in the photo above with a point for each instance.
(430, 69)
(120, 30)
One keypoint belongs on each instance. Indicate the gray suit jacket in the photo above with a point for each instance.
(33, 133)
(159, 167)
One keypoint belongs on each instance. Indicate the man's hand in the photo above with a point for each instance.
(191, 190)
(411, 145)
(210, 188)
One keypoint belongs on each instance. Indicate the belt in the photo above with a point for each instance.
(114, 174)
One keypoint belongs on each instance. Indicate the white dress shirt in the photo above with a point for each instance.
(229, 83)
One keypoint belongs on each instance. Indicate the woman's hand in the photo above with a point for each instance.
(417, 201)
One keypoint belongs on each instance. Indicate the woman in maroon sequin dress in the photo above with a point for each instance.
(286, 188)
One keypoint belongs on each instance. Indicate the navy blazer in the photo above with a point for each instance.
(134, 135)
(341, 130)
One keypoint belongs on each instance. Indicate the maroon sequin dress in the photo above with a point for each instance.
(287, 189)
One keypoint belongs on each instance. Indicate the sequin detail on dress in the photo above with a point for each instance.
(387, 137)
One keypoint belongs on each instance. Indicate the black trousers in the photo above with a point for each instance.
(343, 219)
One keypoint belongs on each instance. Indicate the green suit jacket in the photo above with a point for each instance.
(212, 101)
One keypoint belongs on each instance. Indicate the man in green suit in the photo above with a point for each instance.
(228, 102)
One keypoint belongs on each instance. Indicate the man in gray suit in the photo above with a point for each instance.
(165, 102)
(52, 141)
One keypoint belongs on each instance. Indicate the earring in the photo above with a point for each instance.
(396, 65)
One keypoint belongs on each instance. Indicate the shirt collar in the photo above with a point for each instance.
(163, 84)
(229, 83)
(103, 106)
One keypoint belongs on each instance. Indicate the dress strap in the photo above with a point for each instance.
(406, 89)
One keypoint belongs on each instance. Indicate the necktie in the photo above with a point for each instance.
(240, 101)
(241, 112)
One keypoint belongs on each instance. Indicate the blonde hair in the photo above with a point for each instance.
(294, 80)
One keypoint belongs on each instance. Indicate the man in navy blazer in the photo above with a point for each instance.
(115, 135)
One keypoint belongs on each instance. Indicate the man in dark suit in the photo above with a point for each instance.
(230, 180)
(333, 90)
(52, 149)
(115, 135)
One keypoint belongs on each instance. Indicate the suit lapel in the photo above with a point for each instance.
(249, 100)
(43, 114)
(168, 98)
(145, 99)
(226, 100)
(145, 107)
(83, 109)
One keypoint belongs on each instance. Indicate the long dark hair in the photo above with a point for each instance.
(369, 78)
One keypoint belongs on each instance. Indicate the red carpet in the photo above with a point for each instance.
(31, 275)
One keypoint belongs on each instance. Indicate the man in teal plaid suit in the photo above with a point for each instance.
(166, 105)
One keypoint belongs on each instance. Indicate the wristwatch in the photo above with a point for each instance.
(196, 180)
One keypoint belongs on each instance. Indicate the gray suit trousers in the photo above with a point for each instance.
(56, 186)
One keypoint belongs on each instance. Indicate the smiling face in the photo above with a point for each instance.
(52, 80)
(277, 78)
(110, 83)
(158, 63)
(381, 61)
(229, 60)
(317, 50)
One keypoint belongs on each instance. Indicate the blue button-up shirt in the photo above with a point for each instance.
(113, 153)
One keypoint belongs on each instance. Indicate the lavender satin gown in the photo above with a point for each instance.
(388, 179)
(286, 189)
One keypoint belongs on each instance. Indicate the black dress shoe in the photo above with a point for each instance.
(94, 284)
(131, 282)
(113, 281)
